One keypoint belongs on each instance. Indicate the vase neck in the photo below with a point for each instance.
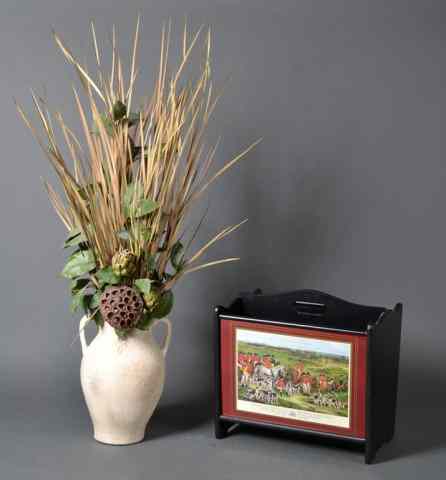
(108, 331)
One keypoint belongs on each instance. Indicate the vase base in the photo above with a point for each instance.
(112, 439)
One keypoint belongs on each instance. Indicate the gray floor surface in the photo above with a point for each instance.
(47, 436)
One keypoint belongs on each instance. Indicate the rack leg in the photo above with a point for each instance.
(222, 428)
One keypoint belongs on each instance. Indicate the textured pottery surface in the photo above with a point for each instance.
(122, 381)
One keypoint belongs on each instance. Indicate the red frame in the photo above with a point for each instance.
(357, 376)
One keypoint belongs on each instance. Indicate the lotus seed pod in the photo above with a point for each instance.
(121, 306)
(124, 263)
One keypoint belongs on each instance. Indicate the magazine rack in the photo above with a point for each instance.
(370, 335)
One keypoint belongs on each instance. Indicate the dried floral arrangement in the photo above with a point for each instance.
(134, 179)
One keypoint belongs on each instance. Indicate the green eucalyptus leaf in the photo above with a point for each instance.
(143, 285)
(131, 197)
(80, 263)
(74, 240)
(140, 232)
(145, 322)
(74, 233)
(134, 204)
(95, 300)
(176, 256)
(97, 317)
(106, 276)
(119, 110)
(164, 305)
(151, 263)
(91, 301)
(145, 206)
(78, 283)
(86, 300)
(72, 237)
(77, 300)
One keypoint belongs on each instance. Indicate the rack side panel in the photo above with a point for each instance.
(382, 380)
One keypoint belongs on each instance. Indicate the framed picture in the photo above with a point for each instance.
(294, 377)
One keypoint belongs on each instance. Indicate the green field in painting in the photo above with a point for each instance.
(335, 367)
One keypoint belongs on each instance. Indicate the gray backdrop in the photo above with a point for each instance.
(345, 194)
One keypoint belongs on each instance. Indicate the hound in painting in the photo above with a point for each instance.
(261, 372)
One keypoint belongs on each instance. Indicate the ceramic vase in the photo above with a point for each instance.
(122, 381)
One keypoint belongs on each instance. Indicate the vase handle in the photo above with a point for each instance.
(82, 324)
(166, 343)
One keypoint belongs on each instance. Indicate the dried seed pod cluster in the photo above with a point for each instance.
(124, 263)
(152, 298)
(121, 306)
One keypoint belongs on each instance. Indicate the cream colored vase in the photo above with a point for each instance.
(122, 381)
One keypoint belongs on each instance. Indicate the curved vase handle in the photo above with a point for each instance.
(166, 343)
(82, 324)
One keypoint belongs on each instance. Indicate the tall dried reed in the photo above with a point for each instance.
(132, 179)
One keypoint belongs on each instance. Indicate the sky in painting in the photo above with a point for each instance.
(295, 343)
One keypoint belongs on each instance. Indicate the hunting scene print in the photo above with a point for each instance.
(293, 377)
